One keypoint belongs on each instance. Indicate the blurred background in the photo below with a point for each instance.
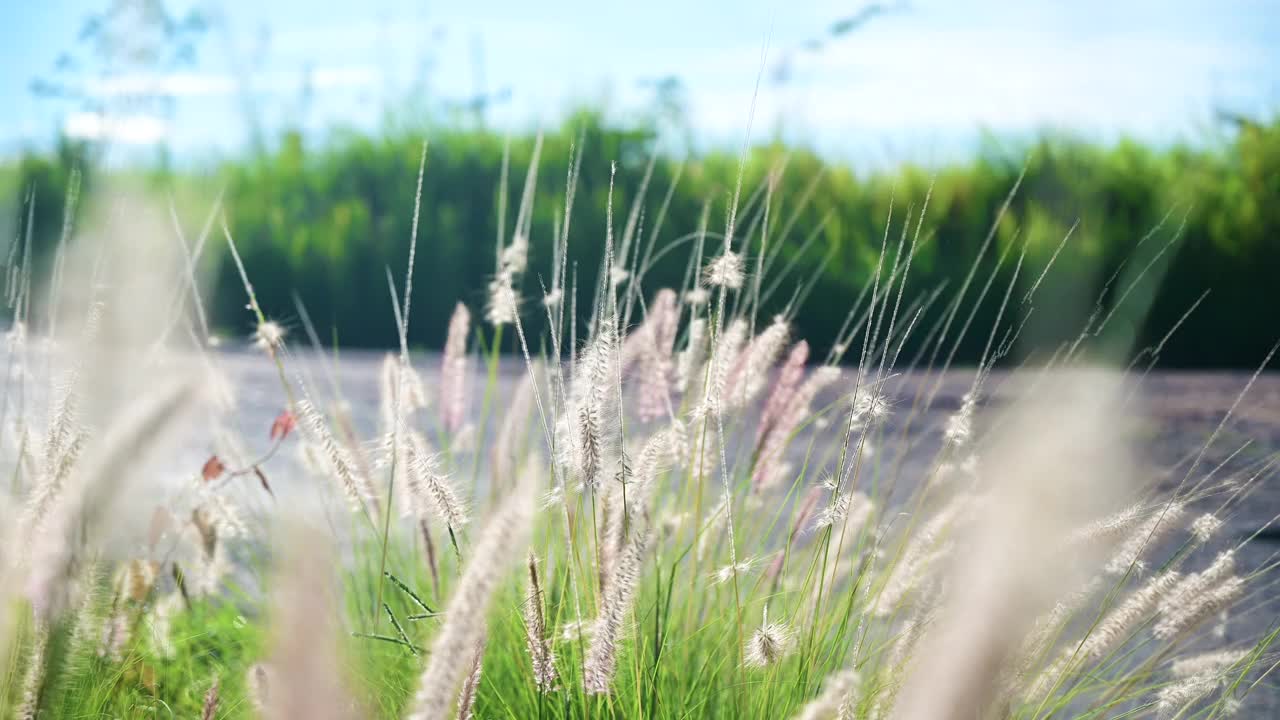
(1151, 126)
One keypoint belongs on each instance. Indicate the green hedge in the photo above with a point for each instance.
(325, 220)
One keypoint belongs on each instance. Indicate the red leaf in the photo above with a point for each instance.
(213, 469)
(262, 478)
(284, 424)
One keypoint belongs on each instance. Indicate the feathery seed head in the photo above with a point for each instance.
(656, 340)
(852, 510)
(1198, 676)
(210, 702)
(1192, 610)
(1145, 536)
(1110, 528)
(337, 458)
(1205, 527)
(1118, 625)
(768, 644)
(584, 425)
(751, 371)
(726, 573)
(959, 426)
(466, 625)
(870, 405)
(1208, 663)
(503, 303)
(1170, 699)
(269, 336)
(430, 486)
(541, 656)
(453, 370)
(836, 700)
(726, 271)
(515, 257)
(691, 359)
(256, 681)
(615, 604)
(33, 680)
(470, 686)
(784, 389)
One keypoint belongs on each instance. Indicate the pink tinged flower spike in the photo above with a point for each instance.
(1172, 699)
(470, 686)
(784, 389)
(750, 371)
(838, 690)
(1122, 621)
(807, 509)
(515, 429)
(1146, 536)
(1209, 663)
(1198, 597)
(210, 710)
(593, 376)
(541, 656)
(33, 680)
(658, 337)
(1196, 677)
(401, 393)
(689, 364)
(453, 370)
(505, 536)
(624, 504)
(304, 644)
(601, 660)
(768, 466)
(633, 349)
(725, 357)
(428, 488)
(258, 687)
(801, 518)
(338, 460)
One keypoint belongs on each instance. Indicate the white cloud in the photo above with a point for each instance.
(923, 79)
(124, 129)
(171, 84)
(191, 85)
(342, 78)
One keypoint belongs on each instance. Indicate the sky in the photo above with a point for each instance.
(921, 81)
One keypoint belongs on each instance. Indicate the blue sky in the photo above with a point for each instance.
(919, 83)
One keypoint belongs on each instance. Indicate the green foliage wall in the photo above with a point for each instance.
(323, 221)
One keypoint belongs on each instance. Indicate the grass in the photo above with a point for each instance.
(714, 536)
